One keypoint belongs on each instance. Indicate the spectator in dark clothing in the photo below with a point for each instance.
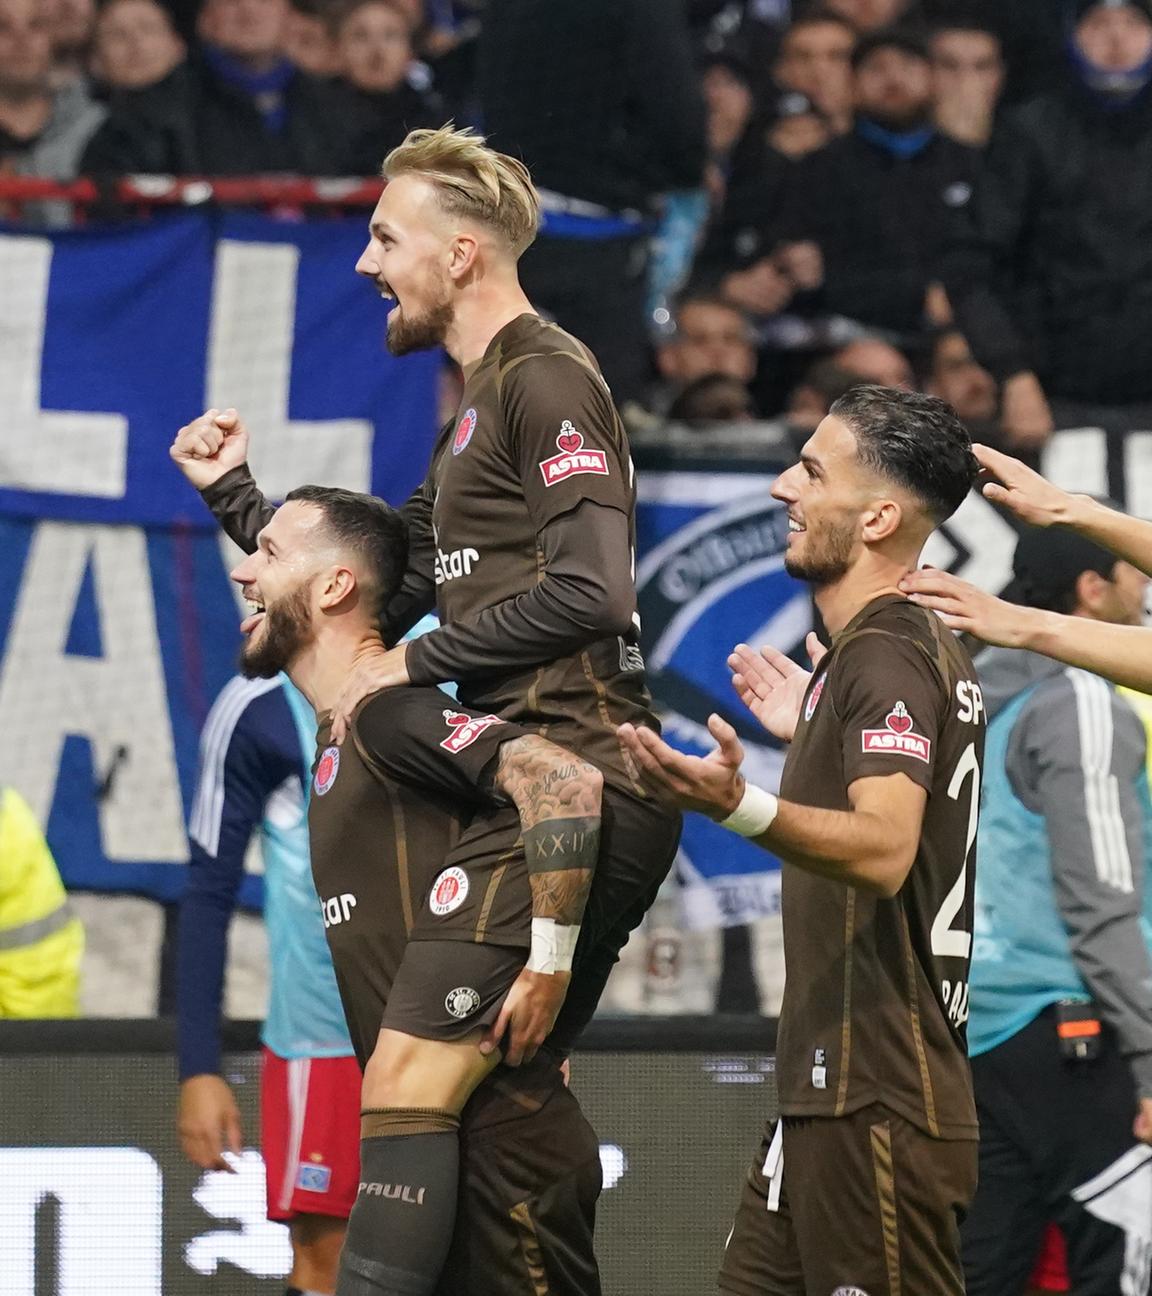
(309, 42)
(238, 108)
(710, 337)
(814, 395)
(714, 398)
(729, 105)
(43, 129)
(602, 100)
(136, 46)
(1050, 270)
(376, 102)
(815, 60)
(955, 376)
(967, 80)
(867, 214)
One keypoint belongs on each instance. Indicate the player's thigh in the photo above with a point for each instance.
(877, 1203)
(446, 989)
(310, 1118)
(760, 1256)
(528, 1190)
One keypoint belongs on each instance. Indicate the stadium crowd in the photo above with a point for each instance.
(749, 204)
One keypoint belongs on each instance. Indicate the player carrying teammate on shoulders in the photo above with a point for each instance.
(419, 828)
(862, 1183)
(522, 534)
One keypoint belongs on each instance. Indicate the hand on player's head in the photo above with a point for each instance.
(1021, 490)
(210, 446)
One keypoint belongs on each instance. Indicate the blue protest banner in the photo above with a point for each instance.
(118, 625)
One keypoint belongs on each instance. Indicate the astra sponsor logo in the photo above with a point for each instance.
(394, 1192)
(898, 737)
(573, 459)
(454, 564)
(465, 729)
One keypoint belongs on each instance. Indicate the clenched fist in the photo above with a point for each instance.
(210, 446)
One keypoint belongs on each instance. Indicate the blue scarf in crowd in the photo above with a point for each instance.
(901, 144)
(265, 89)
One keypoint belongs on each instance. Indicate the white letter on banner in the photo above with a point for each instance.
(250, 369)
(42, 450)
(118, 700)
(110, 1219)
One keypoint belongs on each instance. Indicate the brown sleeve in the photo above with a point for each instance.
(890, 703)
(587, 593)
(566, 436)
(239, 506)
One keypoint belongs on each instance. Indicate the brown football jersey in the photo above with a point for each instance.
(536, 434)
(876, 998)
(387, 808)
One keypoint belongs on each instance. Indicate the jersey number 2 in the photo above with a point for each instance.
(947, 942)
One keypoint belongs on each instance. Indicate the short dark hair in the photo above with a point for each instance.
(915, 441)
(819, 17)
(906, 39)
(365, 524)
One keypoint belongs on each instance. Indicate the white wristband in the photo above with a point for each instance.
(754, 814)
(552, 946)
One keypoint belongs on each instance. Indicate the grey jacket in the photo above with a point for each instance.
(1076, 756)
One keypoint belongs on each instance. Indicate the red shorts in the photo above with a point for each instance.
(1051, 1272)
(310, 1113)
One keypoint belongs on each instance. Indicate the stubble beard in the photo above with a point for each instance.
(828, 561)
(287, 630)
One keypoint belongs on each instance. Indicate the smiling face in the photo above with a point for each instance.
(408, 257)
(826, 494)
(278, 581)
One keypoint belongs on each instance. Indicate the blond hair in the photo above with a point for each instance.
(471, 180)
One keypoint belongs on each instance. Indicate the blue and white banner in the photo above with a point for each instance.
(711, 575)
(118, 624)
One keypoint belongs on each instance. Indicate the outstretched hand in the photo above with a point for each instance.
(712, 784)
(210, 446)
(772, 686)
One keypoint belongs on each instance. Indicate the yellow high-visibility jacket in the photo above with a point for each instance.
(41, 943)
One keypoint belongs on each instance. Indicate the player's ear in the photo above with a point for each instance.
(462, 254)
(881, 519)
(338, 584)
